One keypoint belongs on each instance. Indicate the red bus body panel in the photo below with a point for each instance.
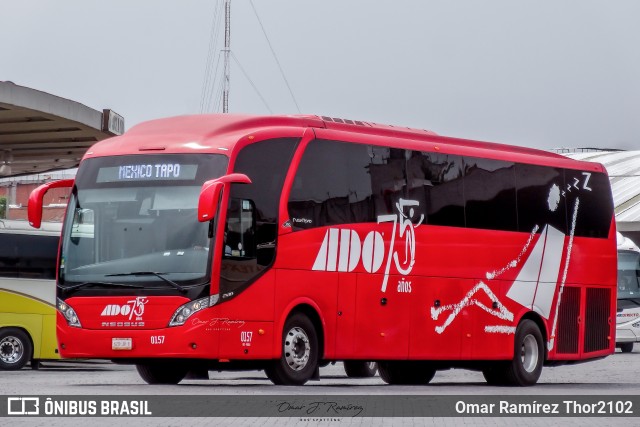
(462, 300)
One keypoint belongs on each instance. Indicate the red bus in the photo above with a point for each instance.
(283, 243)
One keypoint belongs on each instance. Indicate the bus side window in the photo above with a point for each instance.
(28, 256)
(533, 186)
(342, 194)
(490, 194)
(435, 180)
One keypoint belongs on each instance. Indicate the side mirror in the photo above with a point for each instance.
(34, 207)
(210, 194)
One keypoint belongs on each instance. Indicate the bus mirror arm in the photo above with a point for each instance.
(210, 194)
(36, 200)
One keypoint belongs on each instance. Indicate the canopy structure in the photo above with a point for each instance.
(40, 132)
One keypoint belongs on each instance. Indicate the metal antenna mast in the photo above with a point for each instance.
(227, 50)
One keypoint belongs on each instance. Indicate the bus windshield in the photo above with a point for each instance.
(133, 219)
(628, 273)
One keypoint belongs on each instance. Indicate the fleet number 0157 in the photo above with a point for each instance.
(157, 339)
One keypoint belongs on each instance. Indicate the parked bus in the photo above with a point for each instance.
(628, 313)
(283, 243)
(27, 293)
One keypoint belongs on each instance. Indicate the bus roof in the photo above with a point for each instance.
(219, 133)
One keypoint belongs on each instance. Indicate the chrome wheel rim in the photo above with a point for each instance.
(297, 349)
(529, 353)
(11, 350)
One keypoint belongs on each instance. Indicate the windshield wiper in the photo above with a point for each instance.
(150, 273)
(85, 284)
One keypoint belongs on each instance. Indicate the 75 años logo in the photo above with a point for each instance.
(342, 250)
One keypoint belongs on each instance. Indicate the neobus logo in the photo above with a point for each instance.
(131, 308)
(342, 250)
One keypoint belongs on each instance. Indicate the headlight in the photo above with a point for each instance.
(636, 325)
(69, 314)
(187, 310)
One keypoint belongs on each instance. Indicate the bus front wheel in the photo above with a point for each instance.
(300, 353)
(162, 372)
(15, 349)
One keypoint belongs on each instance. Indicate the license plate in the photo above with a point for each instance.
(121, 344)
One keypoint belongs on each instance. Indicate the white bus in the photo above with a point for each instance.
(27, 293)
(628, 316)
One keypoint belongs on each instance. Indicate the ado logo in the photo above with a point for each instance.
(342, 250)
(131, 308)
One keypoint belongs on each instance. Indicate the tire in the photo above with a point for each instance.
(359, 369)
(528, 356)
(162, 372)
(15, 349)
(406, 372)
(300, 353)
(496, 374)
(626, 347)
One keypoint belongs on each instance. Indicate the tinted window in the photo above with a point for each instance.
(28, 256)
(332, 186)
(490, 194)
(595, 209)
(342, 183)
(387, 168)
(252, 216)
(537, 187)
(436, 181)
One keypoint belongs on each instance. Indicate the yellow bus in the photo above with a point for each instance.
(27, 293)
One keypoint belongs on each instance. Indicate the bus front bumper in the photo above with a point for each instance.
(199, 339)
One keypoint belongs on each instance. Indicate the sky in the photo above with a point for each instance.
(542, 74)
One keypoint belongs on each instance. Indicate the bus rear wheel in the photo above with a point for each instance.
(528, 356)
(15, 349)
(359, 369)
(162, 372)
(300, 353)
(406, 372)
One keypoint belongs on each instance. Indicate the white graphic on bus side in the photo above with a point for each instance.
(500, 311)
(536, 283)
(342, 250)
(534, 287)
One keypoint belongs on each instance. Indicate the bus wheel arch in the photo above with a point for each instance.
(301, 348)
(529, 356)
(16, 348)
(537, 319)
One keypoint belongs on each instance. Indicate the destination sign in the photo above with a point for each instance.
(148, 172)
